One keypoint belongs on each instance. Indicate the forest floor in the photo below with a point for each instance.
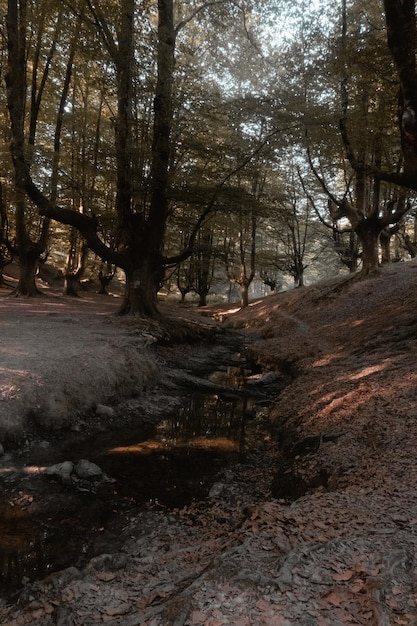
(317, 526)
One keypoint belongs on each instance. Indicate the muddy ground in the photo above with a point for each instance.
(330, 539)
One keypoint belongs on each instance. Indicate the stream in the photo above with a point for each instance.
(48, 526)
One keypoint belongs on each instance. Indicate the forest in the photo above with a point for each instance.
(206, 148)
(208, 365)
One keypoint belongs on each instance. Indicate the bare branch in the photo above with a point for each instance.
(196, 11)
(210, 208)
(104, 31)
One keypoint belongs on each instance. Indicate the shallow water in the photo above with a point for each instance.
(170, 466)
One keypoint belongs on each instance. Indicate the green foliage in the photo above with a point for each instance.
(254, 84)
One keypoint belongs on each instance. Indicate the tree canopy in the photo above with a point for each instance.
(207, 141)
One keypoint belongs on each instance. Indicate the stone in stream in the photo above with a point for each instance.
(104, 411)
(66, 471)
(87, 470)
(61, 471)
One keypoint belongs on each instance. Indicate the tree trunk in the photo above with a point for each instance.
(244, 294)
(140, 296)
(105, 280)
(410, 246)
(202, 301)
(76, 264)
(368, 232)
(28, 265)
(26, 250)
(385, 242)
(402, 41)
(70, 285)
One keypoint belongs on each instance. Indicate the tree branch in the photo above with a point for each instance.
(85, 224)
(211, 204)
(196, 11)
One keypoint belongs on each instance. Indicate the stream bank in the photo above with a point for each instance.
(339, 555)
(181, 445)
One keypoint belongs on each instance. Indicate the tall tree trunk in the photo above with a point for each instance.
(402, 41)
(28, 266)
(151, 266)
(140, 296)
(27, 251)
(244, 293)
(368, 232)
(76, 264)
(202, 297)
(385, 243)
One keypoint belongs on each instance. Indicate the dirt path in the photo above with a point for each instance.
(62, 357)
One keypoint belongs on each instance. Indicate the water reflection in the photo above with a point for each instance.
(207, 418)
(30, 552)
(173, 466)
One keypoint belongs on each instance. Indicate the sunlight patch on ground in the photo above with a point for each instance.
(34, 469)
(326, 360)
(150, 446)
(12, 380)
(217, 443)
(28, 469)
(7, 470)
(335, 406)
(144, 447)
(367, 371)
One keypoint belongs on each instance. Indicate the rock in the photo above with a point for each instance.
(87, 469)
(65, 615)
(62, 578)
(104, 411)
(108, 562)
(61, 470)
(268, 378)
(216, 490)
(265, 379)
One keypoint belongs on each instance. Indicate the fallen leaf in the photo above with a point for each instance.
(122, 609)
(198, 618)
(320, 524)
(262, 605)
(343, 576)
(333, 598)
(105, 576)
(357, 586)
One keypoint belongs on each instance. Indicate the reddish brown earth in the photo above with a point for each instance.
(342, 553)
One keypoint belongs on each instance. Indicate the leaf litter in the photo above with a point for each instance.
(342, 554)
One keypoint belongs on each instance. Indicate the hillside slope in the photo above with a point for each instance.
(349, 350)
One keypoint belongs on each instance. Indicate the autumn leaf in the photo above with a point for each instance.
(343, 576)
(105, 576)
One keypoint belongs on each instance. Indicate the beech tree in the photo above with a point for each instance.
(31, 233)
(400, 17)
(365, 191)
(138, 246)
(376, 208)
